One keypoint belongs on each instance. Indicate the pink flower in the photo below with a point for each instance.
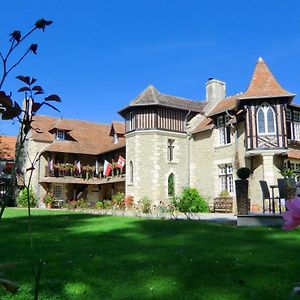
(292, 215)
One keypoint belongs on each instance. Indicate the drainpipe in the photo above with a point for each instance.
(188, 147)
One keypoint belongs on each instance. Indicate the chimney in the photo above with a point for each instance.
(215, 91)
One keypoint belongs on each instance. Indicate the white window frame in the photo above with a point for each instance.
(222, 130)
(115, 138)
(60, 135)
(265, 107)
(226, 182)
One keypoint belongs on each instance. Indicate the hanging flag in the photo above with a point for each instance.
(78, 165)
(97, 167)
(121, 162)
(106, 168)
(51, 166)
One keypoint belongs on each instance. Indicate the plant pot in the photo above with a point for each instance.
(242, 199)
(290, 192)
(49, 205)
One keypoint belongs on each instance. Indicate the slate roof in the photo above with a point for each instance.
(87, 137)
(151, 96)
(263, 84)
(7, 147)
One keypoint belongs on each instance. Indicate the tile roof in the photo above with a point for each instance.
(7, 147)
(119, 127)
(294, 154)
(263, 84)
(205, 124)
(229, 103)
(87, 137)
(151, 96)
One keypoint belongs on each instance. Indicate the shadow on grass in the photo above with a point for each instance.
(98, 257)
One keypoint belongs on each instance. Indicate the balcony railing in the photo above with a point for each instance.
(84, 172)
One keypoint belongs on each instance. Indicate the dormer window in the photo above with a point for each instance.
(224, 131)
(266, 120)
(60, 134)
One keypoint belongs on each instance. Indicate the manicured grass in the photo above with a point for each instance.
(96, 257)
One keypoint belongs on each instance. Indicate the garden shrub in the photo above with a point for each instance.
(81, 203)
(23, 197)
(99, 205)
(191, 201)
(118, 200)
(145, 205)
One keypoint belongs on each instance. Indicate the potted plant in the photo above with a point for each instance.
(290, 178)
(49, 200)
(241, 187)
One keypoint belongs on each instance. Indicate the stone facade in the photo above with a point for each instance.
(147, 151)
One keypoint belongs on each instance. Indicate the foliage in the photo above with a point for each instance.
(49, 198)
(145, 205)
(23, 198)
(289, 175)
(243, 173)
(190, 201)
(99, 205)
(224, 194)
(81, 203)
(118, 200)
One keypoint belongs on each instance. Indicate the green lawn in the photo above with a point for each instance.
(96, 257)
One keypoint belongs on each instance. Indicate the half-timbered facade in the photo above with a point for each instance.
(203, 143)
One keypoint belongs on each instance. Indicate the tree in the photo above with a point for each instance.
(24, 114)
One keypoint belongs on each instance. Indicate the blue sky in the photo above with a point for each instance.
(99, 55)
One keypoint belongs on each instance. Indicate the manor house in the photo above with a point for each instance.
(171, 142)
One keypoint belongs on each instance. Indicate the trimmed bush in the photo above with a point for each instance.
(243, 173)
(23, 197)
(190, 201)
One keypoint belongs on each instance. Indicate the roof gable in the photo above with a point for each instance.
(151, 96)
(263, 84)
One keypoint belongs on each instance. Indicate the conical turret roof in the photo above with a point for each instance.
(263, 84)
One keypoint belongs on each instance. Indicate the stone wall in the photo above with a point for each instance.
(147, 150)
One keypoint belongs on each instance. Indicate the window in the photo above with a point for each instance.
(60, 134)
(288, 114)
(224, 131)
(226, 178)
(115, 138)
(265, 120)
(170, 150)
(57, 192)
(171, 185)
(296, 131)
(131, 172)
